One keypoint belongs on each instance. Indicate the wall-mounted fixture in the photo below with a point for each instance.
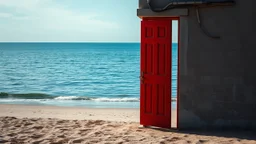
(193, 3)
(188, 3)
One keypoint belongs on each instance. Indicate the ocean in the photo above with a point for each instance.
(97, 75)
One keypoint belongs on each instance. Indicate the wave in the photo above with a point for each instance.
(40, 96)
(26, 96)
(99, 99)
(116, 99)
(72, 98)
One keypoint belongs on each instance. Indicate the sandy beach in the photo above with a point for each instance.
(49, 124)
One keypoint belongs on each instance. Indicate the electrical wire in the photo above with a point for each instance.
(170, 5)
(202, 27)
(187, 4)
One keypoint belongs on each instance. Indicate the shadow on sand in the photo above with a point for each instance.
(229, 133)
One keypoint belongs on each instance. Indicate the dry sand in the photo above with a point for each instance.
(44, 124)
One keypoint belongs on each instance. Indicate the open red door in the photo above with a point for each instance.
(155, 87)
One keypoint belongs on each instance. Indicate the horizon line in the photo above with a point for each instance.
(67, 42)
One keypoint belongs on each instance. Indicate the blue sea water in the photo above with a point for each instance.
(95, 75)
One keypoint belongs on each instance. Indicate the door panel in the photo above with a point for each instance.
(156, 73)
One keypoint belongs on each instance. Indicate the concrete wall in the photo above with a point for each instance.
(217, 77)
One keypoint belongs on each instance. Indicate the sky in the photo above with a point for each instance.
(70, 21)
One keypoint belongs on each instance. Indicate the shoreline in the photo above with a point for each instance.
(70, 113)
(60, 106)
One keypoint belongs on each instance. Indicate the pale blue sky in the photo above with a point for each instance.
(69, 20)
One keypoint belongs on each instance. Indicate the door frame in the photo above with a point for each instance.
(178, 64)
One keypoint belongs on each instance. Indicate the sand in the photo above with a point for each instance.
(69, 113)
(46, 124)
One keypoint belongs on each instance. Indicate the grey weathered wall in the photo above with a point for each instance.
(218, 77)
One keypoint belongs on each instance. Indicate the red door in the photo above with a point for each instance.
(155, 85)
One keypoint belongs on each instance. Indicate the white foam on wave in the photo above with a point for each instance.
(104, 99)
(66, 97)
(98, 99)
(81, 98)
